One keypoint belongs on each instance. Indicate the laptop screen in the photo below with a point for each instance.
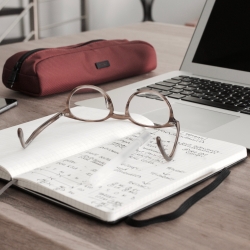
(225, 41)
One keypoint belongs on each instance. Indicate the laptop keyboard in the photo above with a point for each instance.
(206, 92)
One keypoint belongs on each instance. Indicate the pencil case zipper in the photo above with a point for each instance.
(21, 60)
(18, 66)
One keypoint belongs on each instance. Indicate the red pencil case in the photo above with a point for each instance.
(42, 72)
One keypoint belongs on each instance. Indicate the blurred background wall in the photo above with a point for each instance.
(61, 17)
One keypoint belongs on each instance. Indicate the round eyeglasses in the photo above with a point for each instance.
(135, 101)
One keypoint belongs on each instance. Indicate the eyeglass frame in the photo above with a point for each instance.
(172, 122)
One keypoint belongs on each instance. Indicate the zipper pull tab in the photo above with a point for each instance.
(13, 75)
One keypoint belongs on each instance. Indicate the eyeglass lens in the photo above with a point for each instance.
(80, 95)
(159, 117)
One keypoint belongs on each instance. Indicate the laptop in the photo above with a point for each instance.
(215, 73)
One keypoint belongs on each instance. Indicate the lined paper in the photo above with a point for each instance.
(63, 138)
(141, 180)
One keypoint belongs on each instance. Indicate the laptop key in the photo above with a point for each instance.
(176, 90)
(229, 102)
(189, 88)
(246, 111)
(207, 97)
(172, 81)
(197, 95)
(200, 91)
(228, 85)
(187, 79)
(177, 78)
(167, 84)
(144, 88)
(179, 86)
(159, 87)
(214, 82)
(166, 93)
(212, 104)
(176, 95)
(195, 85)
(185, 92)
(221, 100)
(150, 96)
(184, 83)
(244, 105)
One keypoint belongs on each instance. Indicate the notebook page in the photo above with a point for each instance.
(142, 180)
(63, 138)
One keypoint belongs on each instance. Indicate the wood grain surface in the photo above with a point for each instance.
(219, 221)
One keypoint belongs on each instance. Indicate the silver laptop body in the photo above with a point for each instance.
(218, 52)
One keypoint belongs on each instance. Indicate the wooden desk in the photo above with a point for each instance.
(219, 221)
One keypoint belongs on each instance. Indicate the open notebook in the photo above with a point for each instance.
(60, 161)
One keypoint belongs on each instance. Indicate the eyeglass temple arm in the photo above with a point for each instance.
(161, 147)
(37, 131)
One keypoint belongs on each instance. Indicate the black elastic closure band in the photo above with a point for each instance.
(183, 207)
(10, 183)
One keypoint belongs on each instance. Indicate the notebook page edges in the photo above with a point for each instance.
(61, 139)
(4, 174)
(143, 179)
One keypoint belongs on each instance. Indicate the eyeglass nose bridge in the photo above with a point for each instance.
(120, 116)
